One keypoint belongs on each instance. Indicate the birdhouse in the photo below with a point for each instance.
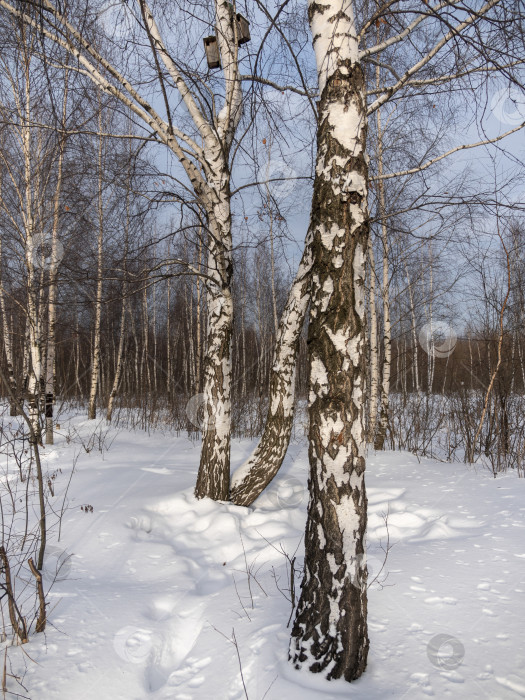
(211, 47)
(243, 30)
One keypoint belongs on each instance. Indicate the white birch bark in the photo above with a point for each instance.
(431, 353)
(252, 477)
(198, 359)
(8, 347)
(374, 348)
(329, 635)
(213, 479)
(415, 354)
(119, 362)
(168, 338)
(31, 255)
(95, 359)
(54, 262)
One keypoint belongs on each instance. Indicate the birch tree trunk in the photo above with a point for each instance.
(119, 365)
(213, 480)
(53, 282)
(374, 348)
(198, 358)
(330, 629)
(8, 347)
(119, 362)
(168, 338)
(272, 256)
(387, 328)
(431, 353)
(52, 308)
(252, 477)
(415, 358)
(31, 257)
(146, 374)
(95, 361)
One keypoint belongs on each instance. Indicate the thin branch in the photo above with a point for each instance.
(281, 88)
(464, 147)
(430, 55)
(408, 30)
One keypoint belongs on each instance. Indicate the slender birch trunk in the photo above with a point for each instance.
(53, 282)
(119, 365)
(415, 358)
(387, 328)
(8, 347)
(136, 343)
(272, 256)
(198, 357)
(252, 477)
(145, 335)
(329, 635)
(31, 258)
(188, 313)
(168, 338)
(374, 348)
(154, 330)
(431, 353)
(522, 363)
(78, 387)
(119, 362)
(242, 348)
(95, 360)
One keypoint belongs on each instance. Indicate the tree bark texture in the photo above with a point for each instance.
(213, 479)
(330, 629)
(252, 477)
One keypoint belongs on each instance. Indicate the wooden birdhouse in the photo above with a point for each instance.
(211, 47)
(243, 30)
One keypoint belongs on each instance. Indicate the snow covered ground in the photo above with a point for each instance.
(158, 587)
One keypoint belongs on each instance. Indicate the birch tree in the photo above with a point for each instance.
(54, 262)
(119, 364)
(330, 629)
(95, 360)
